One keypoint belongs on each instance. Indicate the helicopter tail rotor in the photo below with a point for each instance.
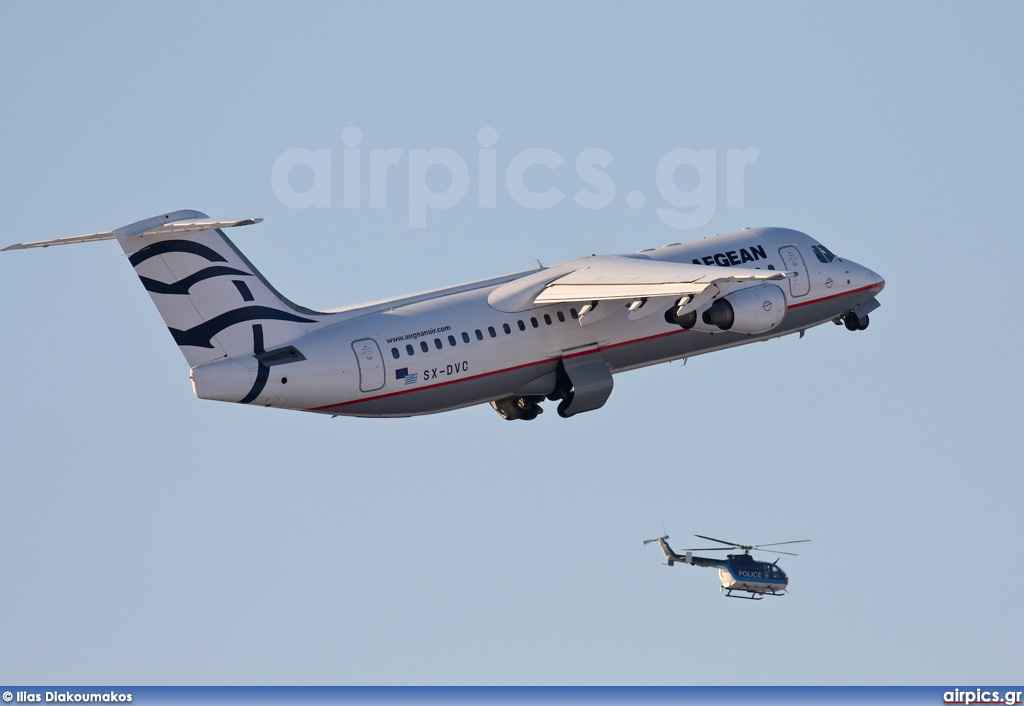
(670, 556)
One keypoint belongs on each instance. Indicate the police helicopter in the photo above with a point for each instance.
(738, 572)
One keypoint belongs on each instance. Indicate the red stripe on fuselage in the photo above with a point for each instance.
(431, 387)
(878, 286)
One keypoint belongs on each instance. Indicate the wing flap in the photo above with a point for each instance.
(557, 293)
(623, 278)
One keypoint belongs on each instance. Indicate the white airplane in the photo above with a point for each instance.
(556, 333)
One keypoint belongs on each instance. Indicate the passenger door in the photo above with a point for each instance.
(794, 261)
(371, 364)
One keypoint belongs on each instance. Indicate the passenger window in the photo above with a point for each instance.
(547, 319)
(394, 353)
(465, 337)
(507, 328)
(424, 347)
(490, 330)
(533, 320)
(451, 340)
(479, 335)
(408, 349)
(437, 343)
(574, 314)
(522, 326)
(561, 317)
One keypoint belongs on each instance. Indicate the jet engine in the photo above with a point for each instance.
(688, 320)
(753, 310)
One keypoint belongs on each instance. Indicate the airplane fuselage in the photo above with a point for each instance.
(486, 341)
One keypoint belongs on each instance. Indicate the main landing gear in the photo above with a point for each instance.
(583, 382)
(525, 408)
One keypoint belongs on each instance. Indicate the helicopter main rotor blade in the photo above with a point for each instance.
(775, 544)
(709, 549)
(776, 551)
(722, 541)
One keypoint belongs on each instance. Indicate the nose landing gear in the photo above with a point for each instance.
(856, 323)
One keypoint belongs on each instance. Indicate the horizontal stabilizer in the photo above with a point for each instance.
(172, 228)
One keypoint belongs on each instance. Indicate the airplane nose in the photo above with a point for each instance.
(864, 278)
(876, 280)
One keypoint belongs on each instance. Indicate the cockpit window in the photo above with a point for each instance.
(823, 254)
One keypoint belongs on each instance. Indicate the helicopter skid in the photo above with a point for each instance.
(755, 594)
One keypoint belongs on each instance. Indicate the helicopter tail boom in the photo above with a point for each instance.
(670, 555)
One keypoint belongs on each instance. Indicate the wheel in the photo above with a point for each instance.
(852, 322)
(563, 407)
(862, 322)
(517, 408)
(560, 393)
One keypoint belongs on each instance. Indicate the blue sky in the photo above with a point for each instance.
(149, 537)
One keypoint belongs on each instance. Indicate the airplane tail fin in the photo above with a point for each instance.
(215, 303)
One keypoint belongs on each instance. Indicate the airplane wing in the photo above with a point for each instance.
(624, 278)
(616, 278)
